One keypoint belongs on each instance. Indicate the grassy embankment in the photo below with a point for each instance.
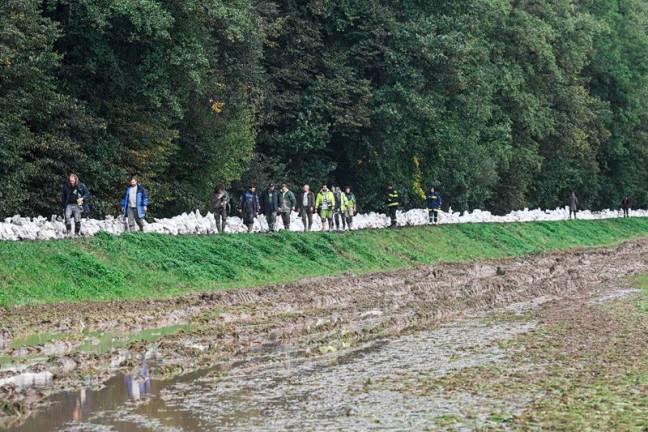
(137, 266)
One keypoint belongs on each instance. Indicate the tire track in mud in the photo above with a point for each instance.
(312, 317)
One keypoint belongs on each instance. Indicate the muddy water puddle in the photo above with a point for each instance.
(359, 388)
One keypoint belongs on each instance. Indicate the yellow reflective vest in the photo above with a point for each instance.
(325, 200)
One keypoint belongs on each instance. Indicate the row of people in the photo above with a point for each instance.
(335, 207)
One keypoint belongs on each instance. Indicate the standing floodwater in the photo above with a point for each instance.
(356, 389)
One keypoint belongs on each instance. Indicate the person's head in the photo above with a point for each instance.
(432, 190)
(306, 188)
(325, 188)
(347, 189)
(252, 187)
(220, 188)
(284, 187)
(271, 187)
(73, 179)
(390, 188)
(133, 180)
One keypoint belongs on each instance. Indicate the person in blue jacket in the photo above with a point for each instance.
(135, 204)
(434, 202)
(249, 207)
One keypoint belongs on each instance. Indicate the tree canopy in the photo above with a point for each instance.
(501, 104)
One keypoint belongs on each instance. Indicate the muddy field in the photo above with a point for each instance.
(350, 352)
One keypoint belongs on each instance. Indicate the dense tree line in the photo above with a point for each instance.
(501, 104)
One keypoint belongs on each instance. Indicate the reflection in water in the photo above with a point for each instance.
(352, 390)
(80, 402)
(28, 379)
(138, 384)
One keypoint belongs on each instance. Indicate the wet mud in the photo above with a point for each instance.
(304, 355)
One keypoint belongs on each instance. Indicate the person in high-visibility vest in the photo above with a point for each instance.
(392, 202)
(339, 210)
(434, 201)
(325, 203)
(351, 207)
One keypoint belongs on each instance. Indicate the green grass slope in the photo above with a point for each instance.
(138, 266)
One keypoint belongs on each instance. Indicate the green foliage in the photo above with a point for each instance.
(37, 119)
(504, 104)
(137, 266)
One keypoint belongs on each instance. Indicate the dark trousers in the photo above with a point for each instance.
(339, 220)
(133, 218)
(348, 221)
(307, 218)
(433, 214)
(285, 218)
(221, 219)
(572, 212)
(271, 218)
(392, 214)
(626, 212)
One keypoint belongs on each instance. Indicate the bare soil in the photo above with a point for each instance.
(312, 317)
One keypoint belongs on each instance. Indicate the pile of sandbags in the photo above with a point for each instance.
(39, 228)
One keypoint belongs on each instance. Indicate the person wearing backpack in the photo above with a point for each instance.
(434, 201)
(249, 207)
(324, 203)
(135, 204)
(351, 207)
(287, 203)
(306, 207)
(74, 200)
(221, 207)
(270, 206)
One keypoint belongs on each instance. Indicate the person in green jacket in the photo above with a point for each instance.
(392, 202)
(351, 207)
(287, 203)
(324, 203)
(221, 207)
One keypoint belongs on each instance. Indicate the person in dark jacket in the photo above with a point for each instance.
(135, 204)
(573, 205)
(625, 206)
(287, 203)
(74, 200)
(221, 207)
(434, 201)
(249, 207)
(270, 206)
(392, 202)
(306, 207)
